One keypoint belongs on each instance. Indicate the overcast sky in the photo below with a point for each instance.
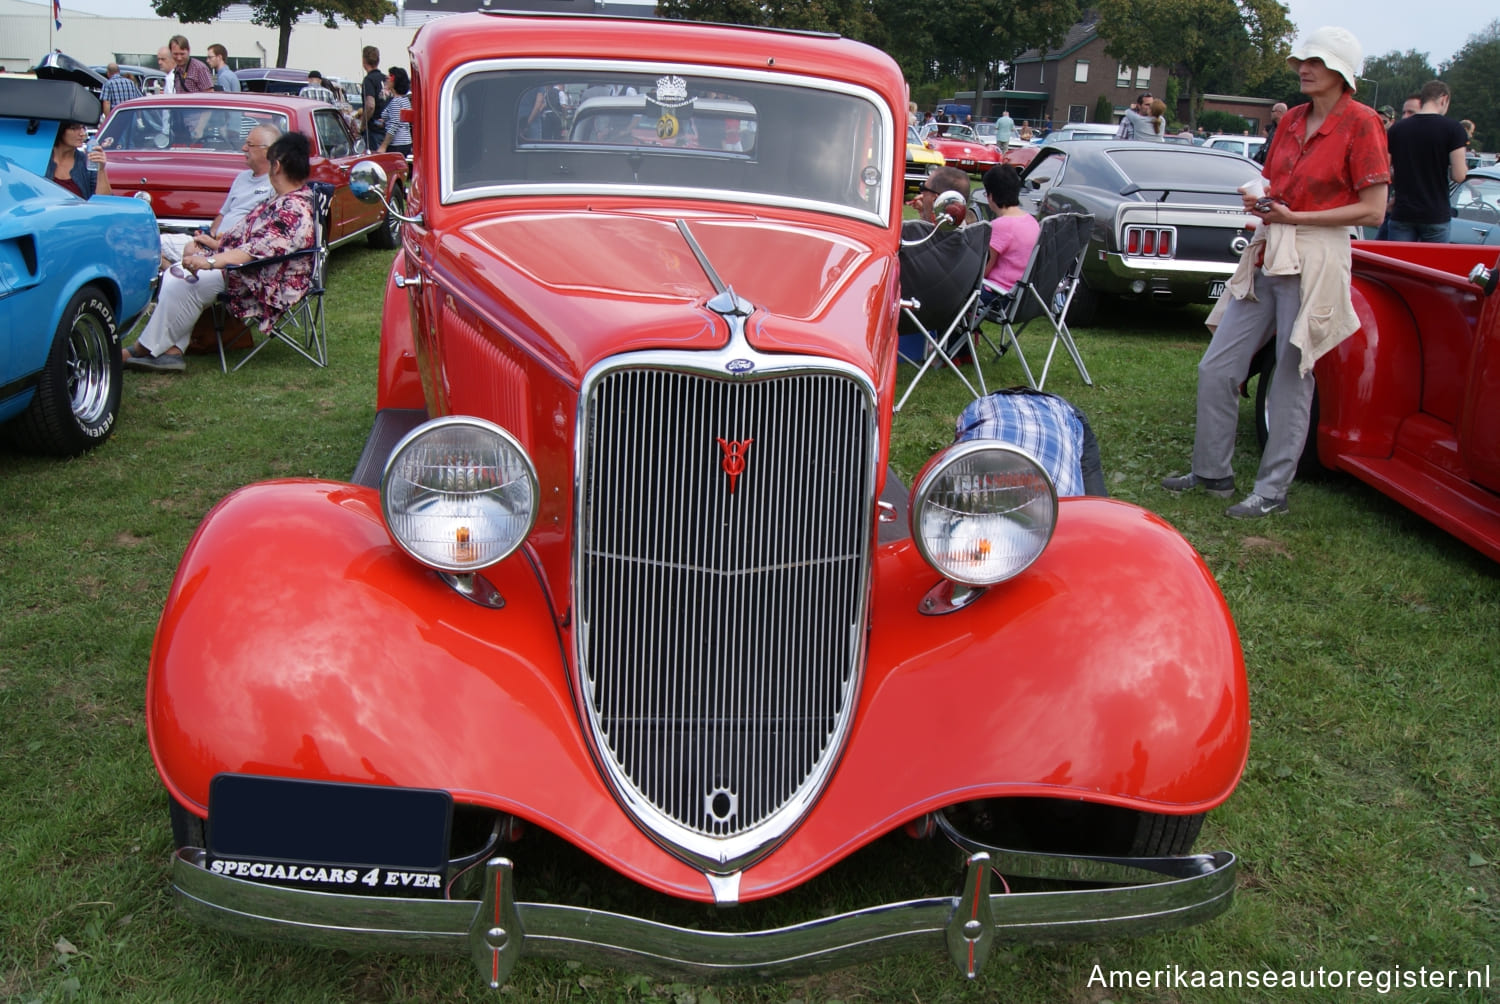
(1381, 25)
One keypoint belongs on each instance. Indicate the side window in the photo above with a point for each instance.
(333, 136)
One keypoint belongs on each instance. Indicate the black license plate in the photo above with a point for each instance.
(348, 838)
(1216, 289)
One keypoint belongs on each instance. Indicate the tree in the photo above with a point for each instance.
(1390, 78)
(1474, 77)
(279, 14)
(1235, 42)
(1104, 109)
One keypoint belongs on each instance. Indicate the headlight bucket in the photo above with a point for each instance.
(459, 493)
(982, 511)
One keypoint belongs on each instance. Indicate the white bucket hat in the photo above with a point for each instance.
(1339, 50)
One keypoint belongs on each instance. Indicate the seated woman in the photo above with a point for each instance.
(1013, 231)
(282, 224)
(71, 169)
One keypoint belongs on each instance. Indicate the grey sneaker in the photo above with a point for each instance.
(1254, 507)
(1221, 487)
(167, 362)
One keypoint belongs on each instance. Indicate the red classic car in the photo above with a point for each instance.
(961, 147)
(623, 562)
(181, 152)
(1407, 403)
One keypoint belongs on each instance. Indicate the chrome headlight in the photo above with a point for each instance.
(982, 511)
(459, 493)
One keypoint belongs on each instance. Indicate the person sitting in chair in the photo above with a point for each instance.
(1013, 231)
(250, 188)
(1049, 427)
(284, 223)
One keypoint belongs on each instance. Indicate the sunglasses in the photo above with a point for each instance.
(931, 191)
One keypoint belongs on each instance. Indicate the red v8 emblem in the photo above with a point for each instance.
(733, 462)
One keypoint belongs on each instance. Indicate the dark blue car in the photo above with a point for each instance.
(73, 275)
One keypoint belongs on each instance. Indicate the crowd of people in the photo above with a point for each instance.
(269, 210)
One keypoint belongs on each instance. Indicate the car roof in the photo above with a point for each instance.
(228, 99)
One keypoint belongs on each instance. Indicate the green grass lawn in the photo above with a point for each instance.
(1366, 822)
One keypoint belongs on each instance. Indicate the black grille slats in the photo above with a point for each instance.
(720, 630)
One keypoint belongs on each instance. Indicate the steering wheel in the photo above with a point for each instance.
(1482, 212)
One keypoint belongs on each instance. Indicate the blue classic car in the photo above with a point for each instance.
(73, 275)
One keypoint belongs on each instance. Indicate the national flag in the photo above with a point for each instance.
(57, 12)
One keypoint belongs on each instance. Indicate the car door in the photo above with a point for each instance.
(338, 154)
(1476, 211)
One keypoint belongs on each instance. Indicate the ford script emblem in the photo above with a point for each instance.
(1239, 244)
(740, 365)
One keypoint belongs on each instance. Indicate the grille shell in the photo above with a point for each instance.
(720, 632)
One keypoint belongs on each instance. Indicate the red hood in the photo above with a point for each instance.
(585, 284)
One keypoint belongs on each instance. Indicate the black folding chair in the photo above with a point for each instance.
(301, 325)
(940, 286)
(1045, 289)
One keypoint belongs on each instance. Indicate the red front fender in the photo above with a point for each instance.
(299, 641)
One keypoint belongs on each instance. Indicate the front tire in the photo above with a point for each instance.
(77, 398)
(1308, 465)
(387, 236)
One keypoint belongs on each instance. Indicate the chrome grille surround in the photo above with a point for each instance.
(718, 670)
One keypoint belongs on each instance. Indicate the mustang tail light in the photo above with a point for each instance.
(1150, 242)
(459, 493)
(982, 511)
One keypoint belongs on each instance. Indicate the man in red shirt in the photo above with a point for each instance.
(1326, 170)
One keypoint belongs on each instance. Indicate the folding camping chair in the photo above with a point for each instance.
(941, 277)
(1045, 289)
(301, 325)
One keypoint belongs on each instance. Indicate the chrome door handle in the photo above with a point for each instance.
(402, 282)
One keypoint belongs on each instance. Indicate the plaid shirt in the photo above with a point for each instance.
(1044, 425)
(118, 88)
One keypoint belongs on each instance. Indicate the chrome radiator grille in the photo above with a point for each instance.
(721, 617)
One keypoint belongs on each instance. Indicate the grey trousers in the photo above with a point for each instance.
(1246, 326)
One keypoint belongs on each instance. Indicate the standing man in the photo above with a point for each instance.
(164, 64)
(1277, 110)
(218, 61)
(117, 87)
(1005, 128)
(192, 77)
(1427, 154)
(1411, 105)
(1130, 124)
(374, 99)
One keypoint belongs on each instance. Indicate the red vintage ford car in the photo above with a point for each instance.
(1407, 403)
(623, 562)
(180, 153)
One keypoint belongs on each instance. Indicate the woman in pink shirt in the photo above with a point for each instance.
(1013, 231)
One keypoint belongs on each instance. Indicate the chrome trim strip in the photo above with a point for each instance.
(447, 195)
(1153, 902)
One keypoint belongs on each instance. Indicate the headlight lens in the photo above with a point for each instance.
(459, 493)
(982, 511)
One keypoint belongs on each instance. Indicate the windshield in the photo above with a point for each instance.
(754, 138)
(178, 128)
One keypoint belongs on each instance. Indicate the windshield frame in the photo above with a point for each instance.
(450, 193)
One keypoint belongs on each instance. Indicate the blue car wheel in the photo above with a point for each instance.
(78, 394)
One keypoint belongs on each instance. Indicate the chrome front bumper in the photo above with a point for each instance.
(1125, 897)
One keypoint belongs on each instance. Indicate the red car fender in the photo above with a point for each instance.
(1371, 380)
(398, 381)
(299, 641)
